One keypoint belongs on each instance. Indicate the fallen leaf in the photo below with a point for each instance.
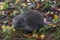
(42, 36)
(23, 5)
(55, 17)
(35, 36)
(16, 2)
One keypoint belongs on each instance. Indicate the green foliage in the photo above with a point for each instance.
(55, 21)
(47, 6)
(5, 5)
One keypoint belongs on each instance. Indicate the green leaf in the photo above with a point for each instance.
(6, 38)
(6, 5)
(21, 10)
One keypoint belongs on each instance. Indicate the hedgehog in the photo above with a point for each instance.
(29, 21)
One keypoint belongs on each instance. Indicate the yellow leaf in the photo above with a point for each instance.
(13, 29)
(3, 26)
(37, 6)
(1, 5)
(23, 4)
(16, 2)
(55, 17)
(8, 27)
(47, 12)
(35, 35)
(52, 25)
(42, 36)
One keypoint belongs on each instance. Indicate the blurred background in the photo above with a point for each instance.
(11, 8)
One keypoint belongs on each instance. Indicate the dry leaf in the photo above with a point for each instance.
(1, 5)
(23, 5)
(42, 36)
(35, 36)
(55, 17)
(16, 2)
(52, 25)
